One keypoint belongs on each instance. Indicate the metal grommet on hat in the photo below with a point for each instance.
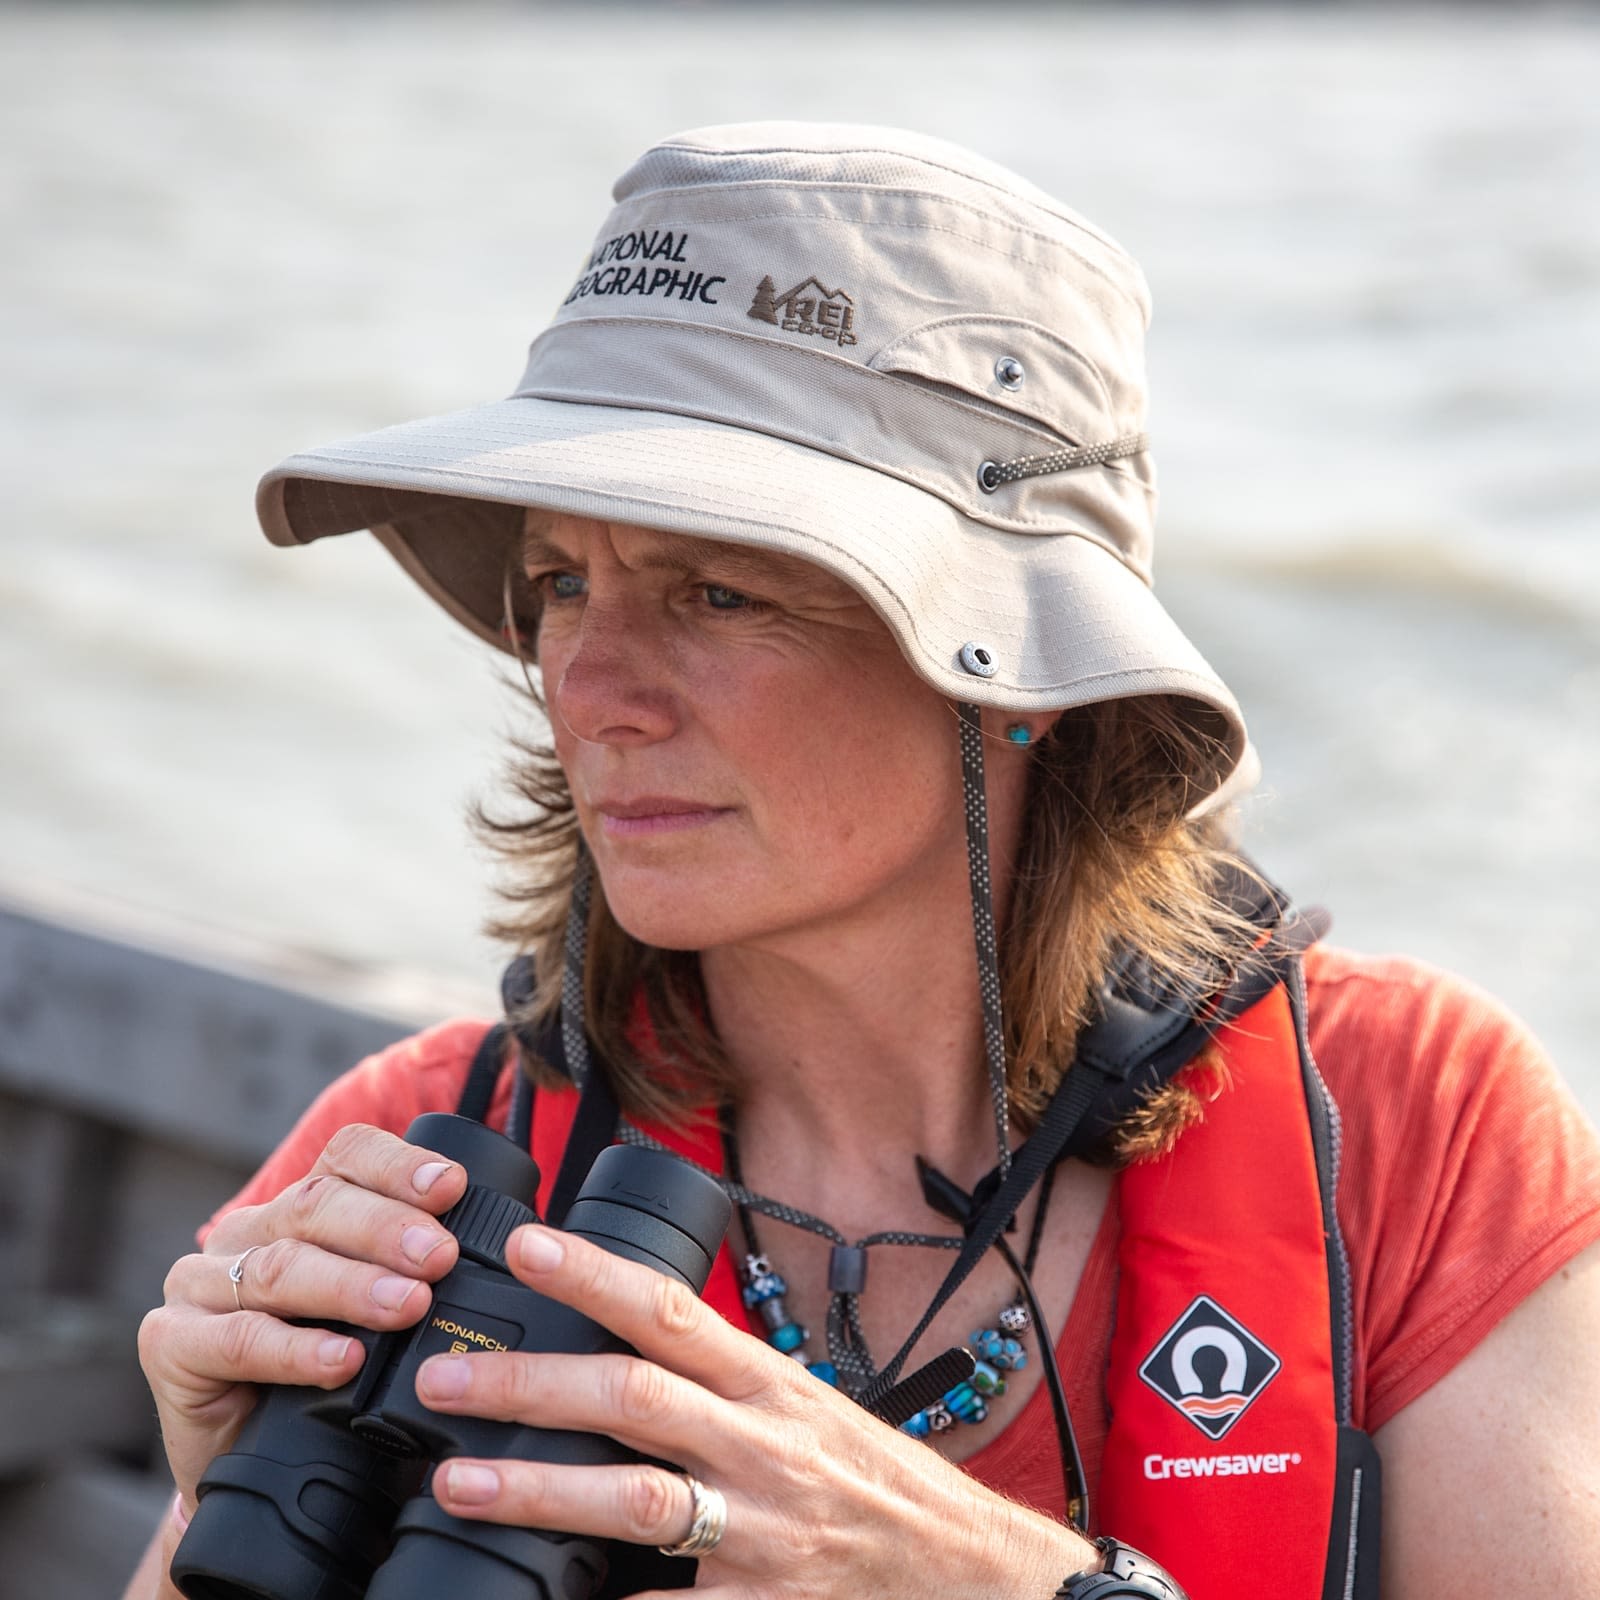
(978, 660)
(1008, 370)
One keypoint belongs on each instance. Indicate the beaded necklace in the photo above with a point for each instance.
(997, 1350)
(852, 1364)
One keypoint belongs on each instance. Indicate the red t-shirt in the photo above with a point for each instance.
(1469, 1176)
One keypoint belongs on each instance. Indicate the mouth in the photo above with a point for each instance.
(655, 814)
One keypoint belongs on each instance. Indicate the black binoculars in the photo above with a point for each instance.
(325, 1493)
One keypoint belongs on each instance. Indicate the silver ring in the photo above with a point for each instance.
(709, 1524)
(236, 1276)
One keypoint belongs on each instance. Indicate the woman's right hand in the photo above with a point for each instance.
(355, 1241)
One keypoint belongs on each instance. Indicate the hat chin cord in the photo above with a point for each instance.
(975, 802)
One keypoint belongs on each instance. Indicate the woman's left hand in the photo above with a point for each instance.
(823, 1499)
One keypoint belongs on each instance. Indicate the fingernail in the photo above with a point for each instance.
(471, 1486)
(419, 1242)
(392, 1293)
(424, 1178)
(443, 1378)
(332, 1351)
(541, 1250)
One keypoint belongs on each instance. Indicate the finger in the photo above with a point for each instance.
(291, 1278)
(346, 1220)
(657, 1315)
(637, 1503)
(644, 1406)
(371, 1159)
(386, 1164)
(183, 1348)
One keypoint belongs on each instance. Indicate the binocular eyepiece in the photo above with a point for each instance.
(325, 1493)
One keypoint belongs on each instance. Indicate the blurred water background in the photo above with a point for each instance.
(1373, 236)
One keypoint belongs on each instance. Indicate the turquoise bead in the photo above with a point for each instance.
(1010, 1355)
(965, 1403)
(986, 1380)
(825, 1370)
(989, 1344)
(789, 1337)
(917, 1427)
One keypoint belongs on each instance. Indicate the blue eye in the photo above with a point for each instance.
(565, 586)
(721, 598)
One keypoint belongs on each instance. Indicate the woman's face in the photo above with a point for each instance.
(750, 755)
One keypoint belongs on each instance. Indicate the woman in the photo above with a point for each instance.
(824, 512)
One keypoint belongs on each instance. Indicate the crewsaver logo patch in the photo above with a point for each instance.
(1210, 1367)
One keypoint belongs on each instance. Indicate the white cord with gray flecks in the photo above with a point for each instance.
(574, 1036)
(976, 804)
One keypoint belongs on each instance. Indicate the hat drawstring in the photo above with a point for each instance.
(574, 1034)
(993, 474)
(976, 804)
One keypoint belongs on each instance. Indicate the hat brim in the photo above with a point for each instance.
(1065, 622)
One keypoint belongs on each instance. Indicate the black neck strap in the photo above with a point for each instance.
(1077, 1093)
(1094, 1074)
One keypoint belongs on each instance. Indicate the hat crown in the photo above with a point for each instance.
(878, 295)
(867, 157)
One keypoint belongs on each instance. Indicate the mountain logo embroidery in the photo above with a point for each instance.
(1210, 1367)
(810, 307)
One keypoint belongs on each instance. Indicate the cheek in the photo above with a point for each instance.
(860, 778)
(545, 663)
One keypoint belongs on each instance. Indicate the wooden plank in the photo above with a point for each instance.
(77, 1531)
(163, 1195)
(154, 1042)
(91, 1210)
(36, 1145)
(143, 1076)
(69, 1383)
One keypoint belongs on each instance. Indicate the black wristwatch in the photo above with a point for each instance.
(1125, 1572)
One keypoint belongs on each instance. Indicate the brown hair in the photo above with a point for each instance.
(1109, 861)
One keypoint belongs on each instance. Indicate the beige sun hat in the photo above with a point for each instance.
(857, 345)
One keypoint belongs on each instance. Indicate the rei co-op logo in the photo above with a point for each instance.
(1210, 1367)
(810, 307)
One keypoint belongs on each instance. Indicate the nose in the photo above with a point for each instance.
(612, 678)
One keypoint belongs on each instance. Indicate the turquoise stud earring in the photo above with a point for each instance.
(1018, 733)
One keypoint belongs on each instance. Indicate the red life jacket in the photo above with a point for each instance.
(1230, 1456)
